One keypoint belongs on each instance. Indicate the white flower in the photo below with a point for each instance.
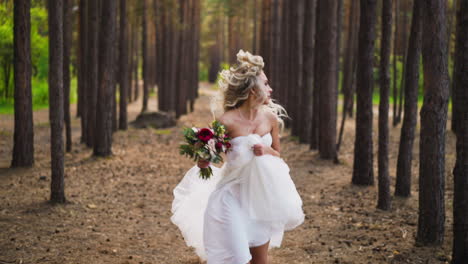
(195, 129)
(211, 145)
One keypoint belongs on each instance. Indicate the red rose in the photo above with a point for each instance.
(205, 134)
(219, 145)
(228, 145)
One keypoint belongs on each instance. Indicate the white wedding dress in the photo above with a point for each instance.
(247, 202)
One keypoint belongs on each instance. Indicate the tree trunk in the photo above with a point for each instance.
(405, 156)
(67, 42)
(395, 60)
(144, 56)
(455, 118)
(123, 82)
(349, 68)
(55, 20)
(297, 66)
(405, 55)
(103, 144)
(339, 26)
(433, 123)
(182, 62)
(308, 83)
(363, 158)
(92, 70)
(460, 172)
(82, 73)
(384, 200)
(314, 133)
(325, 78)
(23, 139)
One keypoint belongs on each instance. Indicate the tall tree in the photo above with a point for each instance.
(433, 123)
(349, 67)
(460, 172)
(55, 19)
(404, 45)
(455, 118)
(92, 71)
(296, 63)
(405, 156)
(23, 139)
(144, 55)
(67, 42)
(82, 73)
(363, 158)
(308, 83)
(395, 61)
(325, 77)
(384, 201)
(123, 63)
(103, 144)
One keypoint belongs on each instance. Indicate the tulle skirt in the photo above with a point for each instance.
(244, 204)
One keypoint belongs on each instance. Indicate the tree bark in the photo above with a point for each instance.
(92, 70)
(325, 79)
(308, 83)
(349, 68)
(67, 42)
(405, 156)
(297, 66)
(405, 56)
(82, 73)
(123, 82)
(103, 144)
(384, 200)
(395, 61)
(460, 172)
(363, 157)
(23, 138)
(55, 20)
(144, 55)
(433, 123)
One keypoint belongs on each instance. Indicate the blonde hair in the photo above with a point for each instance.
(236, 83)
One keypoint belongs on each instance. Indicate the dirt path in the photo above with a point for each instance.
(119, 207)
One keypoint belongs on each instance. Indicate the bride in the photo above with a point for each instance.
(244, 208)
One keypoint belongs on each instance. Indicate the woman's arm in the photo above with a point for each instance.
(274, 150)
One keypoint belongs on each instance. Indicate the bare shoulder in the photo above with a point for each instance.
(226, 118)
(272, 118)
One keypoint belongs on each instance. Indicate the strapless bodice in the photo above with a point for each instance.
(241, 151)
(253, 139)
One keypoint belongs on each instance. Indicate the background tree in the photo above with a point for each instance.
(325, 77)
(308, 82)
(405, 151)
(384, 201)
(433, 123)
(103, 144)
(349, 66)
(144, 54)
(460, 172)
(124, 69)
(82, 76)
(56, 99)
(363, 158)
(92, 70)
(23, 146)
(67, 42)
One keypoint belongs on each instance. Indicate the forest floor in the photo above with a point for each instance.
(118, 208)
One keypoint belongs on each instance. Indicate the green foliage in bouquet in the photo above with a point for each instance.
(205, 144)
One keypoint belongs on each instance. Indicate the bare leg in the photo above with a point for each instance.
(260, 254)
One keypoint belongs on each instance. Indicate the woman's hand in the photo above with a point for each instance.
(203, 164)
(259, 149)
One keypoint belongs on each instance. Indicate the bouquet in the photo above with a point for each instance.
(205, 144)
